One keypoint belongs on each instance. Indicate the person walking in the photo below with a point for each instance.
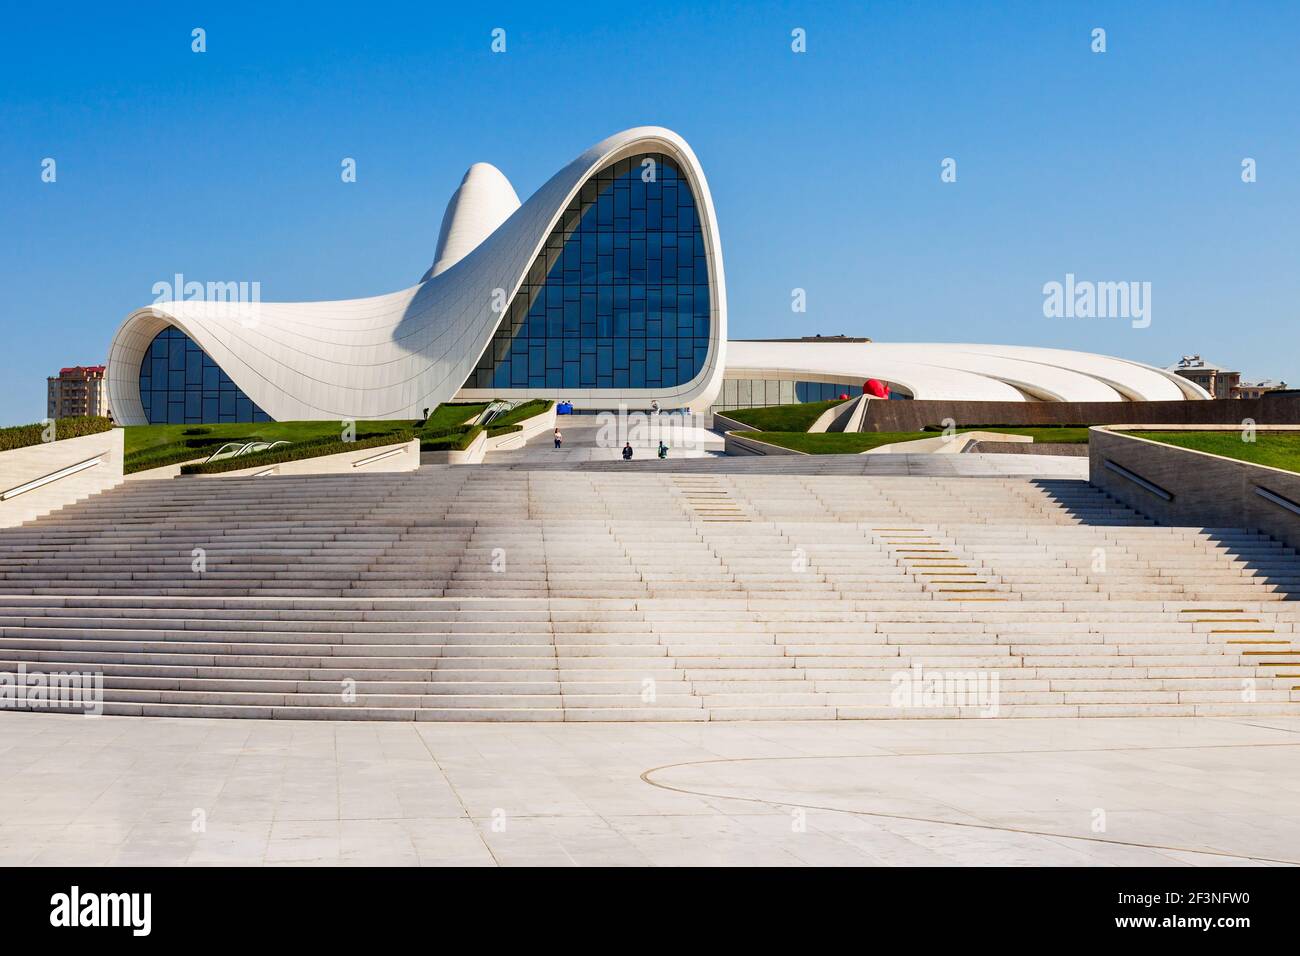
(654, 406)
(627, 452)
(559, 439)
(663, 449)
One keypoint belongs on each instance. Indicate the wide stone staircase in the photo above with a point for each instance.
(504, 594)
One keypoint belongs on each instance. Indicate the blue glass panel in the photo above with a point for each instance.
(180, 384)
(619, 295)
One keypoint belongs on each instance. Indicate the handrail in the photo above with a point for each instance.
(1279, 500)
(246, 449)
(496, 410)
(65, 472)
(1138, 480)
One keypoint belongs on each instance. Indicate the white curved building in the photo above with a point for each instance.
(777, 372)
(605, 287)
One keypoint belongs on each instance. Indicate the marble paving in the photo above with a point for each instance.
(1104, 792)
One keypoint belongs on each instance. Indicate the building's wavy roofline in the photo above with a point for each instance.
(391, 356)
(963, 372)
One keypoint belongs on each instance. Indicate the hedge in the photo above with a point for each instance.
(175, 453)
(313, 448)
(455, 442)
(24, 436)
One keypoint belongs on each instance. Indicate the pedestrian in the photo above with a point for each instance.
(627, 452)
(654, 406)
(663, 449)
(559, 439)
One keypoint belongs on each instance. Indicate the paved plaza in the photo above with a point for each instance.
(1103, 792)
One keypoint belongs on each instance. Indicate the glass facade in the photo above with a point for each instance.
(181, 385)
(619, 295)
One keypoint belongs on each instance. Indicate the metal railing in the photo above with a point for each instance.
(233, 449)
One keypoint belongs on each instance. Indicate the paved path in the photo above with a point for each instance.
(935, 466)
(1174, 792)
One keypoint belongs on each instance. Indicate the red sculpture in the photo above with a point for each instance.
(876, 388)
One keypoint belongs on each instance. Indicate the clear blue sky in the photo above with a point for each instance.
(824, 166)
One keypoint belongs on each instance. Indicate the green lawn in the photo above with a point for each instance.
(782, 418)
(140, 438)
(1275, 449)
(834, 443)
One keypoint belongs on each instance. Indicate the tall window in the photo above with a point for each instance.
(619, 295)
(181, 385)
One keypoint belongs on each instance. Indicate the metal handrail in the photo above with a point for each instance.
(236, 449)
(496, 410)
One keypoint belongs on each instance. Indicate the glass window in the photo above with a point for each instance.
(622, 280)
(181, 385)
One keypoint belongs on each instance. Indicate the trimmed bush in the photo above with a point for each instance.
(455, 442)
(24, 436)
(175, 453)
(496, 431)
(314, 448)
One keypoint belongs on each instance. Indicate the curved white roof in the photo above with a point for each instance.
(391, 356)
(964, 372)
(484, 200)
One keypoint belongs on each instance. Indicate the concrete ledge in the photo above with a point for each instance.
(403, 456)
(943, 445)
(1068, 450)
(742, 444)
(1203, 490)
(723, 423)
(21, 467)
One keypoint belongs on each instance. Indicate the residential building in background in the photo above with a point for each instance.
(77, 390)
(1215, 379)
(1257, 389)
(1221, 382)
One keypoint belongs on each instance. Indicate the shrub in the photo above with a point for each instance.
(174, 453)
(455, 442)
(313, 448)
(24, 436)
(197, 431)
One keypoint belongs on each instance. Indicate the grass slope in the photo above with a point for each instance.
(151, 446)
(782, 418)
(447, 415)
(1275, 449)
